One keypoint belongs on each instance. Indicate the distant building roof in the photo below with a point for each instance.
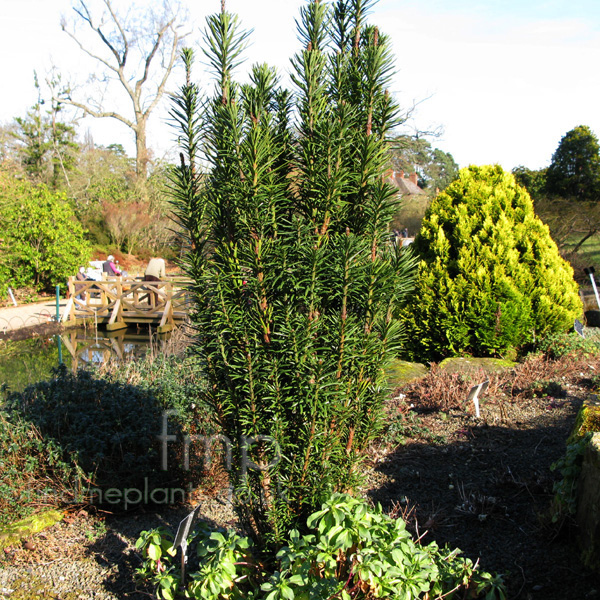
(406, 186)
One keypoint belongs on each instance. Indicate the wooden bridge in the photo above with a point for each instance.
(117, 302)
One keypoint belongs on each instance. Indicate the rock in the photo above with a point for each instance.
(473, 365)
(588, 505)
(401, 372)
(588, 418)
(588, 487)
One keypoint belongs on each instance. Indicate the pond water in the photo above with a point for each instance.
(25, 362)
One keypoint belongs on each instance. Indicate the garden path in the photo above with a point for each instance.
(28, 315)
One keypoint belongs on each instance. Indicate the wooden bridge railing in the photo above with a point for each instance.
(119, 301)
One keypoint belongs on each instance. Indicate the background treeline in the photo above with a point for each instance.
(64, 201)
(566, 195)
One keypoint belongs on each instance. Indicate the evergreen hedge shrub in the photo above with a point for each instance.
(295, 282)
(490, 278)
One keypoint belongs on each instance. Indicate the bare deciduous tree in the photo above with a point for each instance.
(136, 51)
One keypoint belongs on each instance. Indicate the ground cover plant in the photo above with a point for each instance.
(101, 431)
(351, 550)
(36, 473)
(296, 284)
(491, 279)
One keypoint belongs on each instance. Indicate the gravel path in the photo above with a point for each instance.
(29, 315)
(89, 556)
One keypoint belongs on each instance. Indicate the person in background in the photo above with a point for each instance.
(155, 271)
(109, 266)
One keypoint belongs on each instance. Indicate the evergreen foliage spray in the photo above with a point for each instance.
(296, 284)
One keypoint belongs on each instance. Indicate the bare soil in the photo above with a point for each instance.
(486, 485)
(483, 485)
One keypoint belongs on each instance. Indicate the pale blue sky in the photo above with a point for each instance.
(504, 79)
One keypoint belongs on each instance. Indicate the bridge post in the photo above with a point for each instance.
(167, 323)
(116, 318)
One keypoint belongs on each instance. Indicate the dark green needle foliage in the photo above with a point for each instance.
(296, 285)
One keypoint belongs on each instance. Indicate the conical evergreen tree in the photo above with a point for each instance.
(296, 285)
(491, 278)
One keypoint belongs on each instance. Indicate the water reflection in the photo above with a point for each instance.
(93, 347)
(26, 362)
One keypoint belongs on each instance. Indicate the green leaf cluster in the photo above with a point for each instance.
(351, 551)
(569, 466)
(490, 278)
(34, 471)
(296, 284)
(41, 243)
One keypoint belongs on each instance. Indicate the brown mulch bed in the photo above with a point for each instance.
(485, 485)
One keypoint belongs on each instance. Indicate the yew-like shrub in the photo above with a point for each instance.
(296, 284)
(490, 279)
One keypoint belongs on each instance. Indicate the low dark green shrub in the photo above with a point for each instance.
(562, 344)
(176, 383)
(111, 426)
(33, 471)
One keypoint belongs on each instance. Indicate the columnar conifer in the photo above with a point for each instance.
(296, 284)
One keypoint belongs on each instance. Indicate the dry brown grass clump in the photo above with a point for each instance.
(538, 374)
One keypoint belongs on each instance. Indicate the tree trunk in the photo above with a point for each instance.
(141, 150)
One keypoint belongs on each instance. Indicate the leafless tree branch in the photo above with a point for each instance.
(155, 35)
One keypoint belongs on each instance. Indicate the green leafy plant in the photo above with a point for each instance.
(541, 389)
(409, 425)
(109, 428)
(350, 551)
(296, 282)
(562, 344)
(490, 279)
(565, 489)
(34, 472)
(42, 242)
(156, 547)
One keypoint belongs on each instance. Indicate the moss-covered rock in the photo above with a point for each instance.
(401, 372)
(14, 533)
(587, 420)
(588, 504)
(585, 480)
(473, 365)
